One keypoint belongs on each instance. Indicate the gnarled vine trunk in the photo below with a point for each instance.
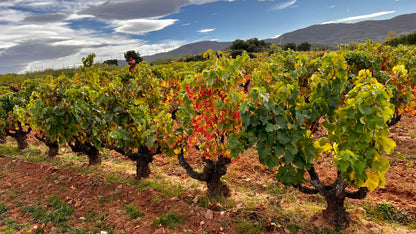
(335, 195)
(143, 158)
(88, 149)
(53, 147)
(2, 140)
(20, 135)
(212, 173)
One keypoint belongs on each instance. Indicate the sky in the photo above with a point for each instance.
(42, 34)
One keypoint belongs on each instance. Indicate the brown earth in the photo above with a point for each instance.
(24, 183)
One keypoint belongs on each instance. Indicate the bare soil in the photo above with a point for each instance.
(98, 202)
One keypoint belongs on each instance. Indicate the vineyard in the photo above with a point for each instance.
(289, 142)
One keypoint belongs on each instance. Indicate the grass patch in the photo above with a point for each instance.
(132, 211)
(9, 149)
(3, 175)
(170, 220)
(387, 212)
(245, 226)
(3, 208)
(218, 203)
(78, 231)
(58, 212)
(11, 224)
(99, 221)
(166, 188)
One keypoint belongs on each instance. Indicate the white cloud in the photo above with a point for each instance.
(141, 26)
(284, 5)
(359, 17)
(133, 9)
(207, 30)
(12, 16)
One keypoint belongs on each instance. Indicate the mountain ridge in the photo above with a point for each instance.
(330, 34)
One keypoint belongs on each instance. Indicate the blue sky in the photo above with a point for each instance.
(40, 34)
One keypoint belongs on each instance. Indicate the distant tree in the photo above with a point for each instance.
(134, 55)
(239, 45)
(192, 58)
(236, 53)
(304, 46)
(289, 45)
(251, 45)
(111, 62)
(352, 45)
(409, 39)
(390, 36)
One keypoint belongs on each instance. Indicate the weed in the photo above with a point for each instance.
(13, 193)
(78, 231)
(55, 177)
(3, 175)
(3, 208)
(8, 165)
(33, 155)
(132, 211)
(157, 199)
(164, 187)
(387, 212)
(293, 227)
(59, 213)
(170, 220)
(10, 224)
(10, 149)
(244, 226)
(19, 203)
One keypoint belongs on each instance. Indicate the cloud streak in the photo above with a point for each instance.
(284, 5)
(359, 17)
(207, 30)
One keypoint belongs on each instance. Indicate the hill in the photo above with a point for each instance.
(323, 34)
(342, 33)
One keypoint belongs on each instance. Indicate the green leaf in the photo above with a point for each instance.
(151, 139)
(271, 127)
(288, 175)
(365, 109)
(283, 137)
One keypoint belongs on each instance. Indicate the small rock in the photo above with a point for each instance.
(120, 186)
(82, 218)
(202, 223)
(209, 214)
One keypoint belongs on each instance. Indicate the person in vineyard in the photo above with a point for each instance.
(132, 64)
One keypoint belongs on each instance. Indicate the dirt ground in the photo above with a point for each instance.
(98, 203)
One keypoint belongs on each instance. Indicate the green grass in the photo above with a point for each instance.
(387, 212)
(132, 211)
(170, 220)
(3, 208)
(11, 224)
(244, 226)
(58, 212)
(166, 188)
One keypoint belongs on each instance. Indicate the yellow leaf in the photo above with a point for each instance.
(177, 151)
(388, 145)
(372, 181)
